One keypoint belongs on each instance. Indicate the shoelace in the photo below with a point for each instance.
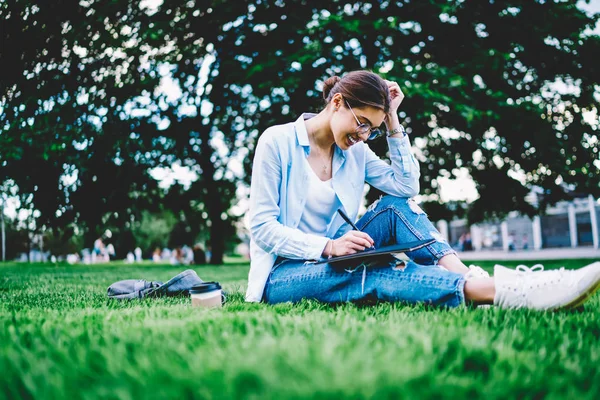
(526, 270)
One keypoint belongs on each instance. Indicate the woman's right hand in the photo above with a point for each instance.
(352, 242)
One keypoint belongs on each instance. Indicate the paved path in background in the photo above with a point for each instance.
(545, 254)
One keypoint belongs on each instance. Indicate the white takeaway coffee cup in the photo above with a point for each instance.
(206, 295)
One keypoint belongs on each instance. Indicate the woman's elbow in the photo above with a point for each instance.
(407, 187)
(413, 188)
(414, 191)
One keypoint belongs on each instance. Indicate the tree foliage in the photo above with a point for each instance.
(498, 88)
(71, 74)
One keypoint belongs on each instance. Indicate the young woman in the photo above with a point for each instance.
(305, 170)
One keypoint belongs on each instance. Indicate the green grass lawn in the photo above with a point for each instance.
(61, 338)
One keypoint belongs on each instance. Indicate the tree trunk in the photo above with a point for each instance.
(29, 245)
(213, 202)
(214, 208)
(217, 238)
(41, 237)
(3, 232)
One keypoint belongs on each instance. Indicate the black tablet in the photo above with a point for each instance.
(382, 251)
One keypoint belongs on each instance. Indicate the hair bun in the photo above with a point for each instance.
(328, 85)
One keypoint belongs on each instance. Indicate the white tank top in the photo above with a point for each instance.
(320, 207)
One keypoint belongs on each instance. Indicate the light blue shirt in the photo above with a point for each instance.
(278, 193)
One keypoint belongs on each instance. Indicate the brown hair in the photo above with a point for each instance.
(360, 89)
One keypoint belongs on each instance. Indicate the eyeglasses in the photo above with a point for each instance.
(362, 129)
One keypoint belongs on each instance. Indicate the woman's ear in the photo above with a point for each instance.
(336, 101)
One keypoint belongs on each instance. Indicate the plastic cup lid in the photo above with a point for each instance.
(205, 287)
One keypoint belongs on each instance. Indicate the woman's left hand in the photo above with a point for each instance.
(396, 96)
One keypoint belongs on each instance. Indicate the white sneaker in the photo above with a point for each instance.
(537, 289)
(476, 272)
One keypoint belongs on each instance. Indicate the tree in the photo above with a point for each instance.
(202, 55)
(83, 121)
(73, 74)
(480, 80)
(90, 88)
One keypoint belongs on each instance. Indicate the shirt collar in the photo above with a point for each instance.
(302, 136)
(301, 133)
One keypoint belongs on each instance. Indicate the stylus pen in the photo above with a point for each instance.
(343, 214)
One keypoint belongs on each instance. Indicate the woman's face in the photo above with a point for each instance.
(344, 122)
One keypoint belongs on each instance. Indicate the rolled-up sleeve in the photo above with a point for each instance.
(265, 228)
(401, 178)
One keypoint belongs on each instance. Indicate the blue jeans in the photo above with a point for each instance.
(389, 220)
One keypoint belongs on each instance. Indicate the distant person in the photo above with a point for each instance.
(138, 254)
(187, 255)
(156, 255)
(208, 254)
(98, 246)
(130, 258)
(468, 243)
(525, 242)
(511, 242)
(98, 252)
(87, 256)
(460, 245)
(177, 256)
(73, 258)
(110, 252)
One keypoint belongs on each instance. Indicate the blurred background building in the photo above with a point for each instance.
(567, 224)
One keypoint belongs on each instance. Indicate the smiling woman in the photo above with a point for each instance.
(307, 170)
(293, 209)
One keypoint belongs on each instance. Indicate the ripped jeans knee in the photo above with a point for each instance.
(400, 203)
(392, 220)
